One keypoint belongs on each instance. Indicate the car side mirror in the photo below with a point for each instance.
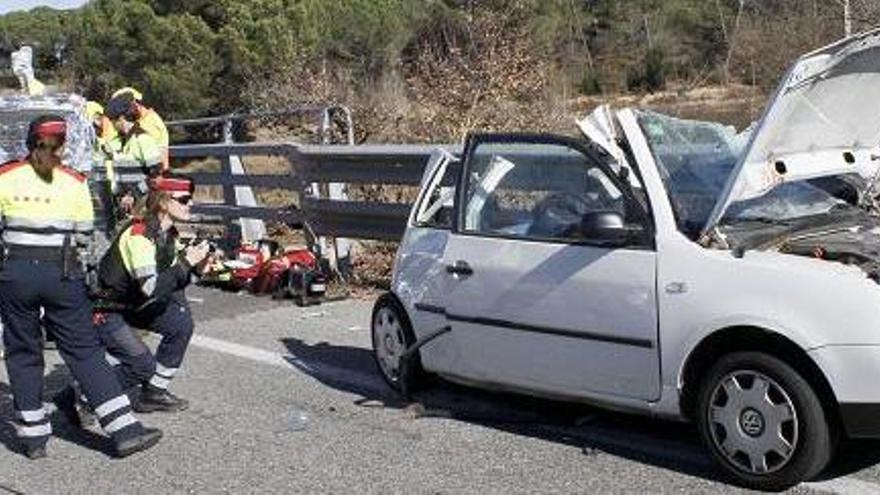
(608, 227)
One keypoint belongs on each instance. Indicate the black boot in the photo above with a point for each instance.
(34, 452)
(143, 441)
(154, 399)
(65, 401)
(77, 412)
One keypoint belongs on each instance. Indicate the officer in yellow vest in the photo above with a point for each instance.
(142, 278)
(46, 214)
(148, 120)
(103, 181)
(136, 154)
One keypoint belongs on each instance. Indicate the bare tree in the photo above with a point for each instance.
(847, 17)
(729, 36)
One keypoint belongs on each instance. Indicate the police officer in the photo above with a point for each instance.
(47, 215)
(136, 155)
(148, 120)
(142, 278)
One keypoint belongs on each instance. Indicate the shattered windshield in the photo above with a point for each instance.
(695, 160)
(784, 203)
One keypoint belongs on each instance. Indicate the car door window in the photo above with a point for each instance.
(536, 190)
(437, 205)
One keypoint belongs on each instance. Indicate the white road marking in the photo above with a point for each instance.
(243, 351)
(324, 372)
(320, 371)
(844, 485)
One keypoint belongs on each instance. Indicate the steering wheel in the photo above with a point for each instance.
(559, 214)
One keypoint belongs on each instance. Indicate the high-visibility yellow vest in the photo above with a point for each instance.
(152, 124)
(107, 140)
(142, 263)
(39, 213)
(138, 153)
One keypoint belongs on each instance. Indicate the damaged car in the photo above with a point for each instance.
(666, 267)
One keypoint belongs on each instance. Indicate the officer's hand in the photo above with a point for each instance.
(196, 254)
(108, 151)
(126, 203)
(207, 264)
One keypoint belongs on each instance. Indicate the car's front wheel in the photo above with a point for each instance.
(392, 334)
(763, 422)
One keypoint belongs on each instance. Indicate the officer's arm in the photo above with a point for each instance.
(165, 282)
(83, 215)
(163, 140)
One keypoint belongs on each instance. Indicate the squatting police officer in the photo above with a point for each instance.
(142, 279)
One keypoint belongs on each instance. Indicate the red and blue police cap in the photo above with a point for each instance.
(172, 183)
(43, 127)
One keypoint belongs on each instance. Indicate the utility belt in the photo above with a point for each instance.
(100, 305)
(66, 255)
(39, 253)
(107, 301)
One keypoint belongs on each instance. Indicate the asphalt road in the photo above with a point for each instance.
(287, 399)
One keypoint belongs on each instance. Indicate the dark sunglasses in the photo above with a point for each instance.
(184, 200)
(50, 146)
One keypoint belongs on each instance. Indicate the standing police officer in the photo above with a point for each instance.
(147, 119)
(136, 155)
(47, 215)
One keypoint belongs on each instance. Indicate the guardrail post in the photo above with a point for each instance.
(341, 256)
(251, 229)
(337, 250)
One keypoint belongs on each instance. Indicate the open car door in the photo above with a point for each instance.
(551, 271)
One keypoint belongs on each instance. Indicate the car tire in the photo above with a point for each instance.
(392, 334)
(763, 422)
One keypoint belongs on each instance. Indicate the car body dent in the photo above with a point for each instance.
(420, 279)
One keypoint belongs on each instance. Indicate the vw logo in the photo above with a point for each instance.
(751, 422)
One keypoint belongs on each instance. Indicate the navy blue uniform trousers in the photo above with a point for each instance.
(26, 286)
(137, 365)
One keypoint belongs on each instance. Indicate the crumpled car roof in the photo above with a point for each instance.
(16, 113)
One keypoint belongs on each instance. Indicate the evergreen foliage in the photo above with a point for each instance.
(195, 57)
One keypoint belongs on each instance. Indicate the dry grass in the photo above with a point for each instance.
(496, 84)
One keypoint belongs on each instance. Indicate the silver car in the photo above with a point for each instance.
(667, 267)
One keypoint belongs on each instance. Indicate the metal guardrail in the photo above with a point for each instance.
(325, 112)
(319, 164)
(318, 177)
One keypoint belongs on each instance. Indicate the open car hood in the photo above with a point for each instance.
(823, 120)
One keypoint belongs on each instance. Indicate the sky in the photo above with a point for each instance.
(7, 6)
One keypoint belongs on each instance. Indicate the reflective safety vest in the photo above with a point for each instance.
(39, 213)
(107, 139)
(138, 155)
(152, 124)
(108, 131)
(142, 264)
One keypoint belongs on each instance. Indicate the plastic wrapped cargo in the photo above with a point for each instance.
(16, 113)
